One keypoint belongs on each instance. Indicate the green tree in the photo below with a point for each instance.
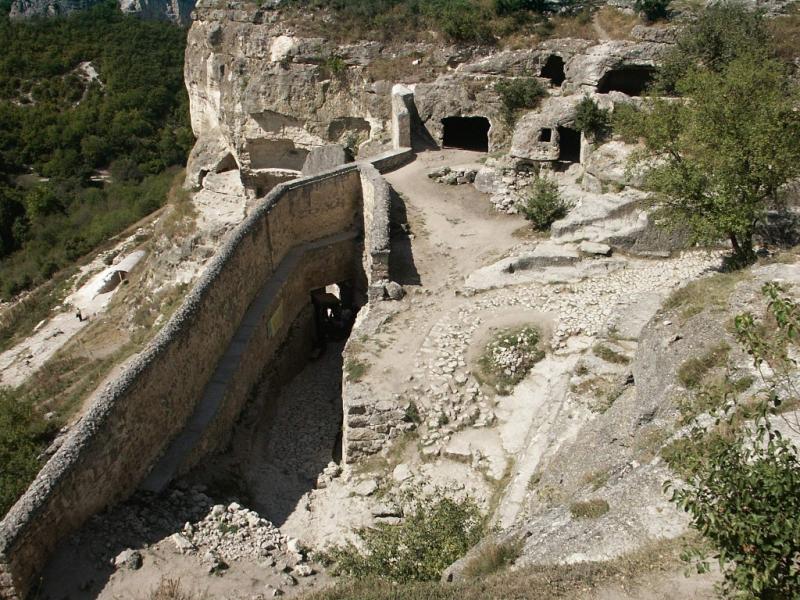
(723, 155)
(721, 33)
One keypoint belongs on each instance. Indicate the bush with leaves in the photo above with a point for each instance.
(544, 204)
(743, 491)
(520, 94)
(592, 120)
(435, 532)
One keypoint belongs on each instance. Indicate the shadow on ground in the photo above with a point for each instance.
(401, 260)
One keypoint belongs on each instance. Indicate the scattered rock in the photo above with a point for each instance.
(394, 291)
(596, 248)
(182, 544)
(128, 559)
(401, 473)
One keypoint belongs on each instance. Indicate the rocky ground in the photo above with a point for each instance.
(577, 428)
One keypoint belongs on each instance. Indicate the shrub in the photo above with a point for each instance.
(519, 94)
(653, 10)
(544, 204)
(592, 120)
(436, 532)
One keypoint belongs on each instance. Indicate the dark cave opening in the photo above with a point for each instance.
(632, 80)
(553, 69)
(467, 133)
(569, 145)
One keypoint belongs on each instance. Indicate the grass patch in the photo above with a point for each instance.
(509, 356)
(708, 293)
(24, 435)
(493, 557)
(647, 445)
(18, 321)
(602, 393)
(531, 583)
(692, 373)
(355, 369)
(596, 479)
(589, 509)
(611, 356)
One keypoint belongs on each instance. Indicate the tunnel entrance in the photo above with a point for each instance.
(553, 69)
(569, 145)
(632, 80)
(333, 313)
(467, 133)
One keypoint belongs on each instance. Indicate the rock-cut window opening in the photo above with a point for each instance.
(546, 135)
(553, 69)
(569, 145)
(467, 133)
(632, 80)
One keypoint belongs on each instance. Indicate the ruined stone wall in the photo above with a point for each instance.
(303, 235)
(377, 201)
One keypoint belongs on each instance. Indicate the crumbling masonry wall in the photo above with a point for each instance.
(133, 419)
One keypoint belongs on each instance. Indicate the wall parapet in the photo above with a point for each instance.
(132, 419)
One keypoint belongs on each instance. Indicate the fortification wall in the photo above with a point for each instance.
(305, 234)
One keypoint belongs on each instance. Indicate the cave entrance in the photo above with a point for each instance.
(632, 80)
(553, 69)
(467, 133)
(569, 145)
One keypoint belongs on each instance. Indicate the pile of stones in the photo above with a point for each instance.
(457, 175)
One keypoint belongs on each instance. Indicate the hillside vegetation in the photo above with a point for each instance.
(93, 112)
(464, 21)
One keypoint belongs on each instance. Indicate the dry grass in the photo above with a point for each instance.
(402, 69)
(708, 293)
(493, 557)
(573, 26)
(589, 509)
(172, 589)
(693, 372)
(786, 33)
(617, 24)
(609, 355)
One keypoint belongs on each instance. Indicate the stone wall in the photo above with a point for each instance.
(304, 234)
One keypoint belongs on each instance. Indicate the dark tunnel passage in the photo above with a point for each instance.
(632, 80)
(569, 145)
(467, 133)
(553, 69)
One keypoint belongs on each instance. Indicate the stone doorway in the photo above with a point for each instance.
(466, 133)
(569, 145)
(632, 80)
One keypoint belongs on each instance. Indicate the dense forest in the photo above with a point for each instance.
(93, 112)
